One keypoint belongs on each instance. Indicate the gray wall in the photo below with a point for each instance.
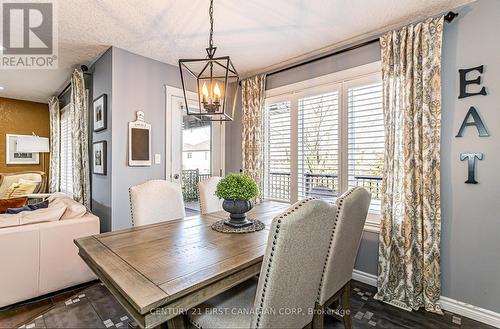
(101, 185)
(138, 84)
(470, 245)
(364, 55)
(233, 140)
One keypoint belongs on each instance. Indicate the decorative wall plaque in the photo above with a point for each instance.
(139, 145)
(476, 119)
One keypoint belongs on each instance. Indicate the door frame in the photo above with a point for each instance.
(177, 92)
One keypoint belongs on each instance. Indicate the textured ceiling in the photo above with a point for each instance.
(256, 34)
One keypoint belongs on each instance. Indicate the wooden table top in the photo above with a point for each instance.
(153, 265)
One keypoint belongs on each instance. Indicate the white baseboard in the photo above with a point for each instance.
(470, 311)
(364, 277)
(467, 310)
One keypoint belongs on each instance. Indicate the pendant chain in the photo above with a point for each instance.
(211, 14)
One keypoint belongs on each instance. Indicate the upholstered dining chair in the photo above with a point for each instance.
(287, 287)
(209, 202)
(156, 201)
(352, 208)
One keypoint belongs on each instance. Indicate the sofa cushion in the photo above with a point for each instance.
(73, 208)
(29, 207)
(42, 215)
(8, 220)
(12, 203)
(16, 190)
(31, 217)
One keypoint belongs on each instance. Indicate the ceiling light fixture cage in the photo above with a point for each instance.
(216, 81)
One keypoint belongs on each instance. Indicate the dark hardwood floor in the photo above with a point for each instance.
(367, 312)
(93, 306)
(16, 315)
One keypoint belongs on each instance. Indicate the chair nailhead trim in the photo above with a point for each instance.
(275, 240)
(337, 215)
(131, 207)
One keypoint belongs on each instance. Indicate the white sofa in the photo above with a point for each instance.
(40, 258)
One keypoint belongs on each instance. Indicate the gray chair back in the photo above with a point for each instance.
(293, 262)
(156, 201)
(352, 208)
(209, 202)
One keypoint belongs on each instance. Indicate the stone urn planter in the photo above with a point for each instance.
(237, 191)
(237, 210)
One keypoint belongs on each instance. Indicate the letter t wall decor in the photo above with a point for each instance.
(477, 122)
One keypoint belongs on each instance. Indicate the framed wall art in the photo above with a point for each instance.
(18, 158)
(99, 156)
(100, 112)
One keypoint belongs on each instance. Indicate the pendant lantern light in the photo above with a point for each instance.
(215, 79)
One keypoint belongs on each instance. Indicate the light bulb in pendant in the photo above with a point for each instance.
(217, 93)
(204, 93)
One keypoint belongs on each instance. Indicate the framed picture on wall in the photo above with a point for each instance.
(99, 156)
(18, 158)
(100, 112)
(139, 142)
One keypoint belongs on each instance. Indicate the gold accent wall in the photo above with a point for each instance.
(22, 118)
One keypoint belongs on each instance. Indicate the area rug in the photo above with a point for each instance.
(94, 307)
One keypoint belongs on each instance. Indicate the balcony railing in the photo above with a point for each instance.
(372, 183)
(190, 179)
(318, 185)
(279, 186)
(315, 185)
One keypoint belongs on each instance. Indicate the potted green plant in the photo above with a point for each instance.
(237, 190)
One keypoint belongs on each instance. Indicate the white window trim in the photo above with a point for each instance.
(327, 79)
(292, 92)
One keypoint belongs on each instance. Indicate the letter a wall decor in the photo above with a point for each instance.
(465, 82)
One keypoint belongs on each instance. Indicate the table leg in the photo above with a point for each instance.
(178, 322)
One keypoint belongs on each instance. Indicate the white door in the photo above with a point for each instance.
(194, 150)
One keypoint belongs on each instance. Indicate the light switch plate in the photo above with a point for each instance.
(157, 158)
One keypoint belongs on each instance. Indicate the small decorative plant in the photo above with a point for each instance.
(237, 190)
(236, 187)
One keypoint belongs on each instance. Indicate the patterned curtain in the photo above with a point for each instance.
(79, 138)
(409, 254)
(253, 90)
(55, 139)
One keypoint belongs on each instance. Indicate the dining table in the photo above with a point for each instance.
(157, 272)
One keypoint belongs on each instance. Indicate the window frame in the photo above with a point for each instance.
(339, 81)
(66, 112)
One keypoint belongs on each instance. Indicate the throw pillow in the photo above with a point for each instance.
(29, 181)
(19, 189)
(12, 203)
(29, 207)
(42, 215)
(73, 208)
(13, 211)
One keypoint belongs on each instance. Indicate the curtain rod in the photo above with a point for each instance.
(85, 70)
(448, 18)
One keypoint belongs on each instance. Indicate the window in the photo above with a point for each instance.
(366, 139)
(277, 152)
(66, 182)
(324, 136)
(189, 155)
(318, 133)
